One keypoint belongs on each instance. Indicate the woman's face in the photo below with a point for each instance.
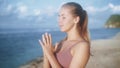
(66, 19)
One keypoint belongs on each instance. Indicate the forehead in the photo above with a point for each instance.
(65, 11)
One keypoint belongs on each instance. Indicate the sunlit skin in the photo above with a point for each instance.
(80, 52)
(65, 20)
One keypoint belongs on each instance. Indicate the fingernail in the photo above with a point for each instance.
(43, 35)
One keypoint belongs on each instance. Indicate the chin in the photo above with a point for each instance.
(62, 30)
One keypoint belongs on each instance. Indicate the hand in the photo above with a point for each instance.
(46, 43)
(48, 50)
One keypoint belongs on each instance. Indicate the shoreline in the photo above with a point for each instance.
(106, 53)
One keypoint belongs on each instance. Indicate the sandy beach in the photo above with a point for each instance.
(106, 54)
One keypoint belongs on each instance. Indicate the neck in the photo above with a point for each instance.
(73, 34)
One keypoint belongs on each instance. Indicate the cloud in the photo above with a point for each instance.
(115, 8)
(25, 12)
(50, 11)
(22, 11)
(6, 10)
(9, 8)
(109, 7)
(92, 9)
(36, 12)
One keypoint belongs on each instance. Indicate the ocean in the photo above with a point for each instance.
(18, 47)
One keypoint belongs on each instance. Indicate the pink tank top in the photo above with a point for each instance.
(64, 57)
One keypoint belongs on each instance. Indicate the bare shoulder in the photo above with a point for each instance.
(81, 46)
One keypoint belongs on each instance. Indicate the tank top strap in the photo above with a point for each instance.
(75, 44)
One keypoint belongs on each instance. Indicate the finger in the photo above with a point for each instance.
(43, 39)
(56, 45)
(50, 38)
(41, 43)
(47, 38)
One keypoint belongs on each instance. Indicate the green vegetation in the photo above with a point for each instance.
(113, 21)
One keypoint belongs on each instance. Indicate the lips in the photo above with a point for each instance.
(61, 25)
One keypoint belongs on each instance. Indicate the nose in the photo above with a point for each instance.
(59, 21)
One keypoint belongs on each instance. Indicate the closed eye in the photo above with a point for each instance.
(63, 17)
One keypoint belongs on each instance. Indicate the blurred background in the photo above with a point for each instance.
(22, 22)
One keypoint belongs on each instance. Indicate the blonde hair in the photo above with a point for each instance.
(77, 10)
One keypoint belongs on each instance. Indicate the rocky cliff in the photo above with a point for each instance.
(113, 21)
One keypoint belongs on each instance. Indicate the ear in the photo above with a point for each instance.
(76, 19)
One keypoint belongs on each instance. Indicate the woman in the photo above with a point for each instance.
(74, 50)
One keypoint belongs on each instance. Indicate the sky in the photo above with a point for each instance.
(30, 14)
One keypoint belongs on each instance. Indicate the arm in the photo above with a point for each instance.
(49, 50)
(81, 53)
(46, 63)
(53, 61)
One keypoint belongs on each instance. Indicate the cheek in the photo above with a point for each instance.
(68, 24)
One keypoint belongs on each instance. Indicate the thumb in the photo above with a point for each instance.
(56, 45)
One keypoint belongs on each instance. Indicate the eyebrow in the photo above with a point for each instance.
(60, 14)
